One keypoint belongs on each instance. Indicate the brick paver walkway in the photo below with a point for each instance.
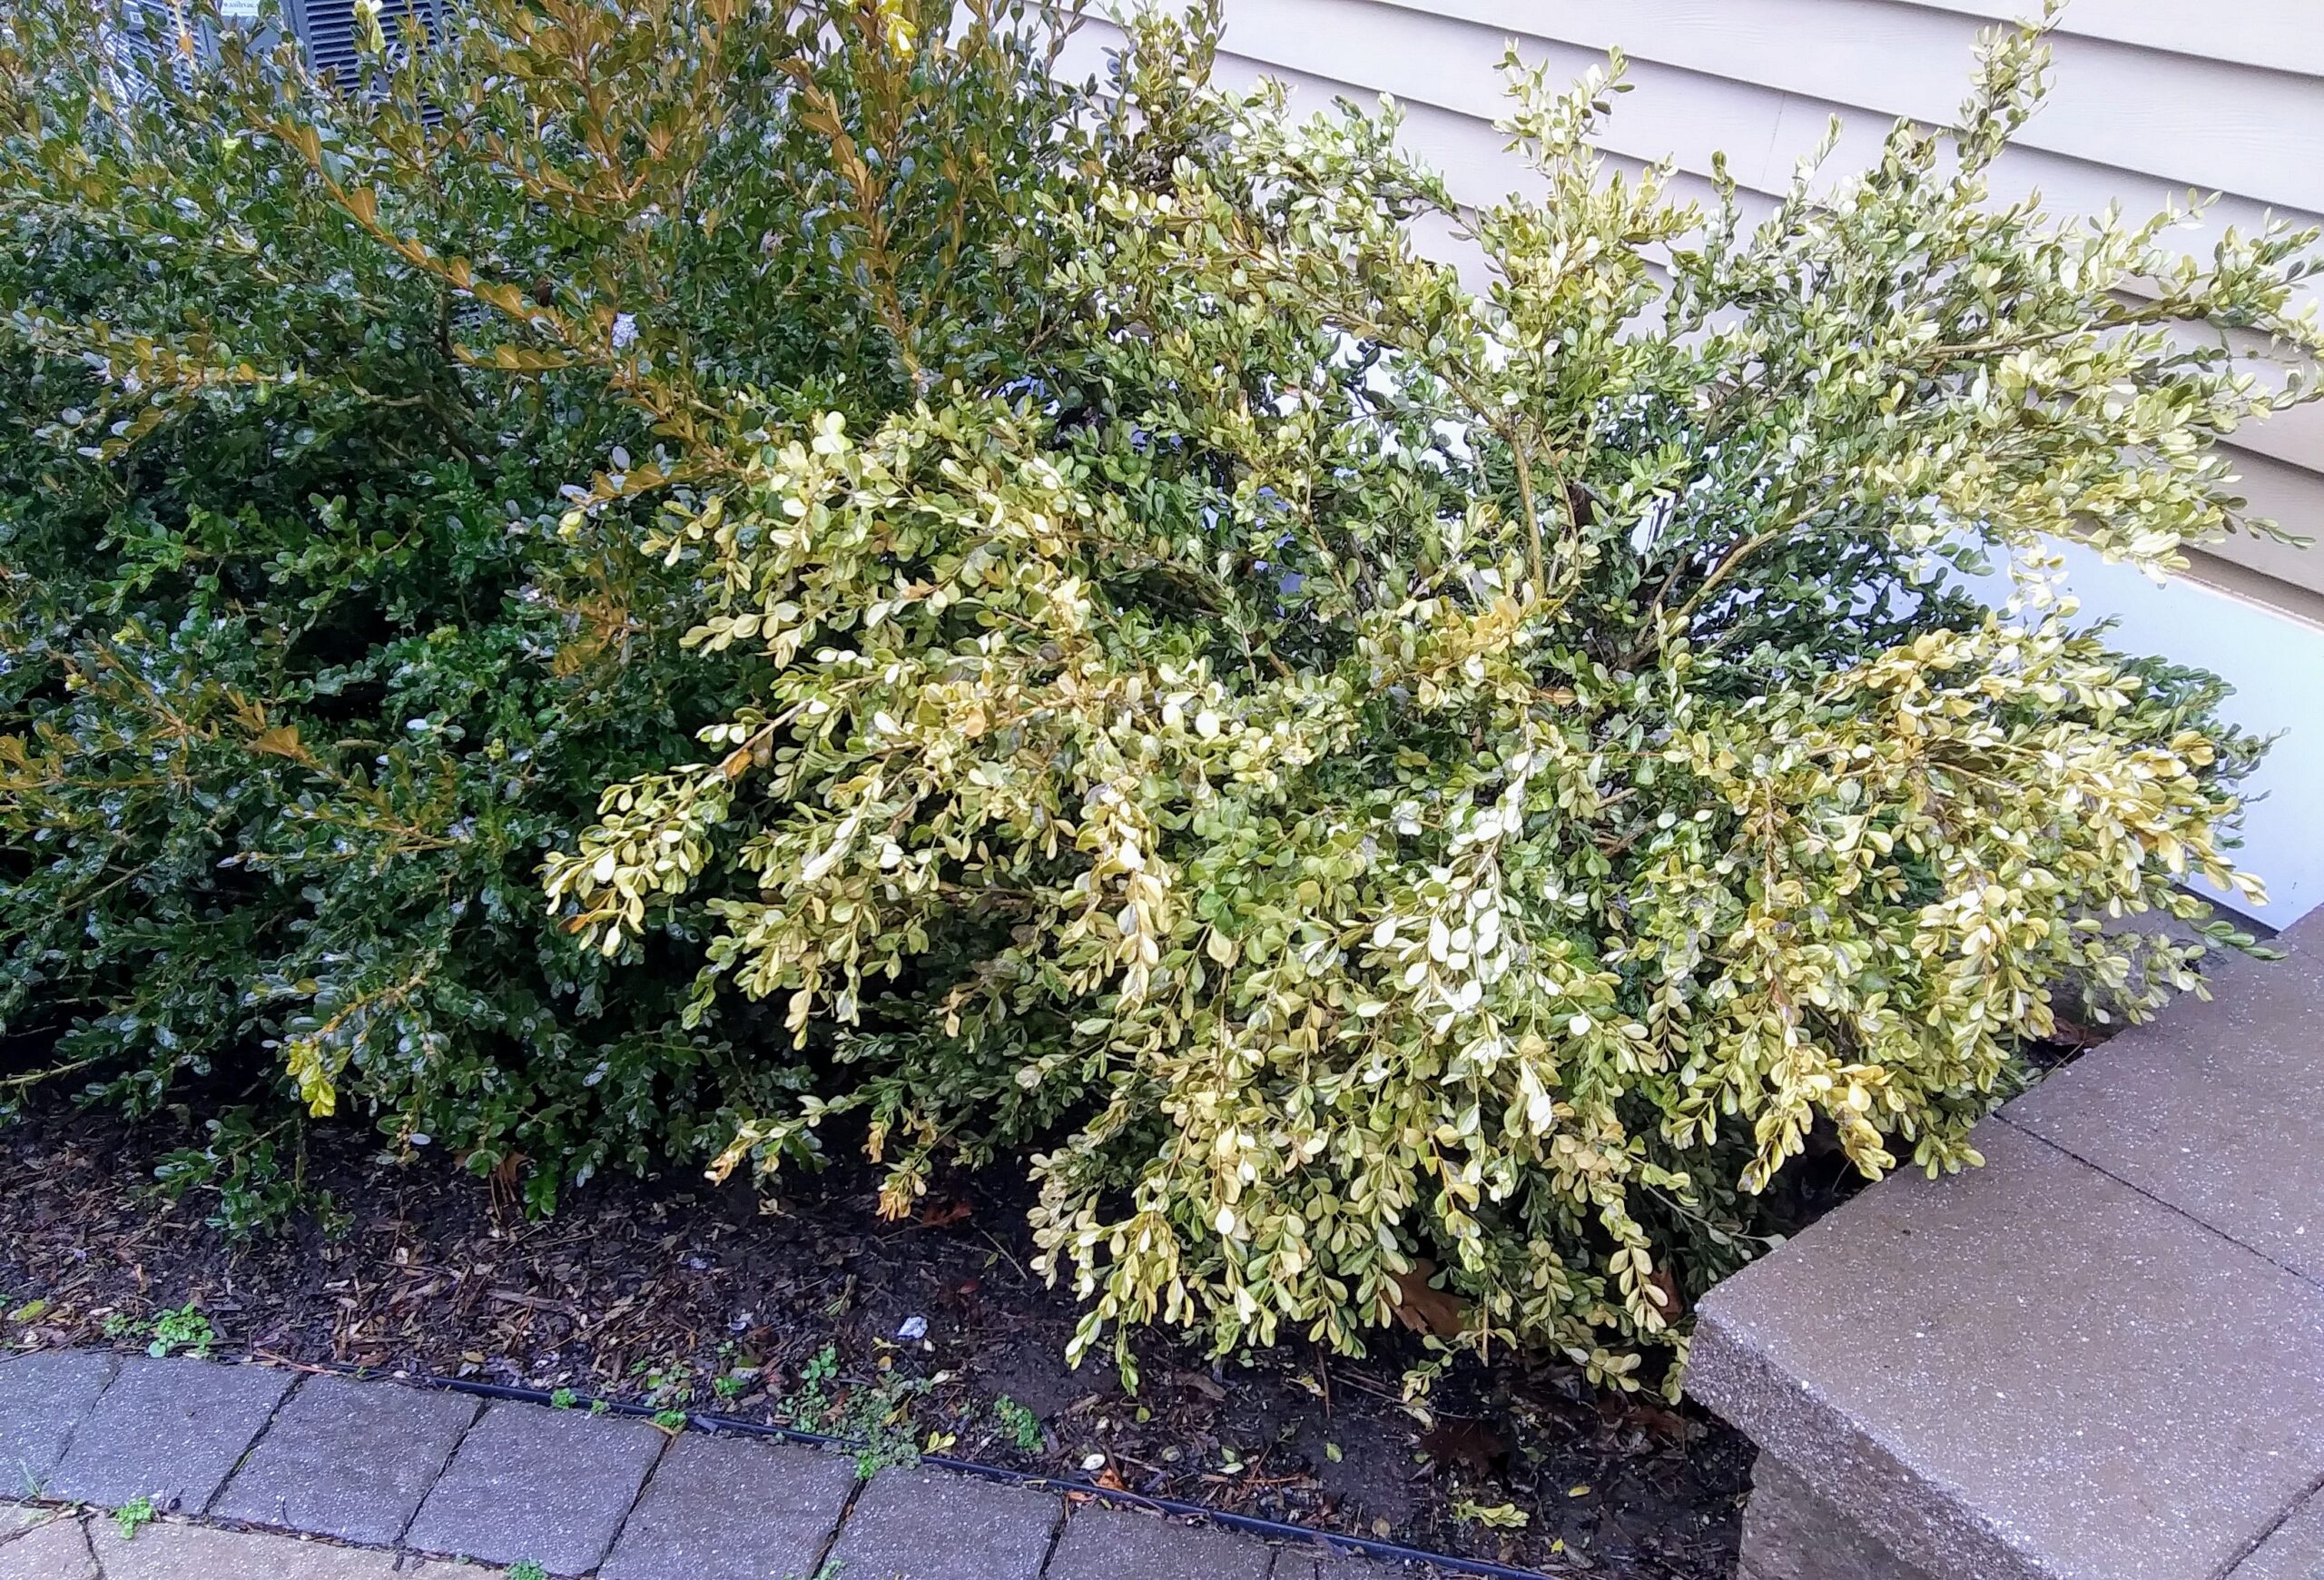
(262, 1474)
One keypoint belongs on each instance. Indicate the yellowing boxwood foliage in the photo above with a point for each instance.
(1378, 780)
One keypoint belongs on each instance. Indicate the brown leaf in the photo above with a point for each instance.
(1207, 1387)
(938, 1214)
(1662, 1421)
(1453, 1441)
(1424, 1307)
(2075, 1034)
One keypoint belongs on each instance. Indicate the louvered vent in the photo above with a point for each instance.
(159, 36)
(326, 30)
(149, 44)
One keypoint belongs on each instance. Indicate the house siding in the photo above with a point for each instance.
(2154, 102)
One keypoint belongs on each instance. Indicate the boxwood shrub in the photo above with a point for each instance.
(302, 674)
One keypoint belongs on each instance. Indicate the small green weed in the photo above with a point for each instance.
(811, 1402)
(878, 1416)
(1023, 1426)
(671, 1421)
(563, 1399)
(133, 1516)
(666, 1384)
(526, 1569)
(184, 1328)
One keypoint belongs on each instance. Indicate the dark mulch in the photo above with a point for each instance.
(652, 1290)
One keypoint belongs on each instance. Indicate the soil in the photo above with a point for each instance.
(671, 1293)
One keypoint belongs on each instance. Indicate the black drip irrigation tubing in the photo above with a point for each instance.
(1369, 1548)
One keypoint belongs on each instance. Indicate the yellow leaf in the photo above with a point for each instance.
(282, 741)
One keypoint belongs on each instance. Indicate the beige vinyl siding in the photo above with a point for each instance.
(2155, 101)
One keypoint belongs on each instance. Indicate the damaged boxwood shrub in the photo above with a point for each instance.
(1402, 799)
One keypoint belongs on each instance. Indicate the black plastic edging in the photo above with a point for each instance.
(1369, 1548)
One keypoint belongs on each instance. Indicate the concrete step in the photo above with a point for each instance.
(2101, 1356)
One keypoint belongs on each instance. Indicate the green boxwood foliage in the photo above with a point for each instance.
(302, 674)
(1413, 801)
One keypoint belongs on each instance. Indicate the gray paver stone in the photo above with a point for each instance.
(2027, 1370)
(169, 1550)
(929, 1524)
(1116, 1544)
(2170, 1107)
(2294, 1551)
(42, 1397)
(57, 1550)
(529, 1482)
(171, 1430)
(348, 1459)
(732, 1508)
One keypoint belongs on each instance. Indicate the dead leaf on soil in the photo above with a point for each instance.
(1452, 1441)
(1424, 1307)
(1663, 1422)
(1209, 1388)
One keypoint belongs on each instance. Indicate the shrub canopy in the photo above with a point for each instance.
(302, 679)
(1383, 772)
(1363, 780)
